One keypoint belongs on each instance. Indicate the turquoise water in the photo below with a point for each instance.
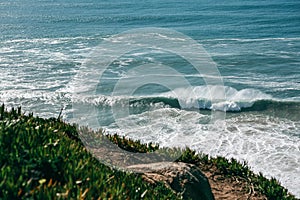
(255, 45)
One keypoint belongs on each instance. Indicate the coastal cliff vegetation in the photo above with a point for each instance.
(45, 159)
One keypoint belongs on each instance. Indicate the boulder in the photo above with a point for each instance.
(185, 179)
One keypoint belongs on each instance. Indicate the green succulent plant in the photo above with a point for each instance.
(46, 159)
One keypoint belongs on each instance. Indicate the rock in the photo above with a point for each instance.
(183, 178)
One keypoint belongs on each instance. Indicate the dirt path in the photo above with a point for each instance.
(230, 188)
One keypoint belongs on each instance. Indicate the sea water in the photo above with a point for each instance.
(255, 45)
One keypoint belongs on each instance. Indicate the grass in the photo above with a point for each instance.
(45, 159)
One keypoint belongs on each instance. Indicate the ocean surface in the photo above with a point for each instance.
(46, 46)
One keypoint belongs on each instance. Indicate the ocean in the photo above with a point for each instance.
(58, 54)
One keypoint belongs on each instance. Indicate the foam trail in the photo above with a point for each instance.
(269, 144)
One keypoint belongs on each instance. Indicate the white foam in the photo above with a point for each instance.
(255, 39)
(269, 82)
(266, 143)
(209, 97)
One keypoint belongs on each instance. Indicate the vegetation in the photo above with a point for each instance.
(45, 159)
(131, 145)
(41, 159)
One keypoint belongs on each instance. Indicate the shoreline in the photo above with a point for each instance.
(228, 178)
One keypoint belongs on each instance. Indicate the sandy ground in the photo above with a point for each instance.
(230, 188)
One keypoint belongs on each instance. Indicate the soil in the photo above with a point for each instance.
(230, 188)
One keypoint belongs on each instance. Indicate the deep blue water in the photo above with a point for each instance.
(255, 45)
